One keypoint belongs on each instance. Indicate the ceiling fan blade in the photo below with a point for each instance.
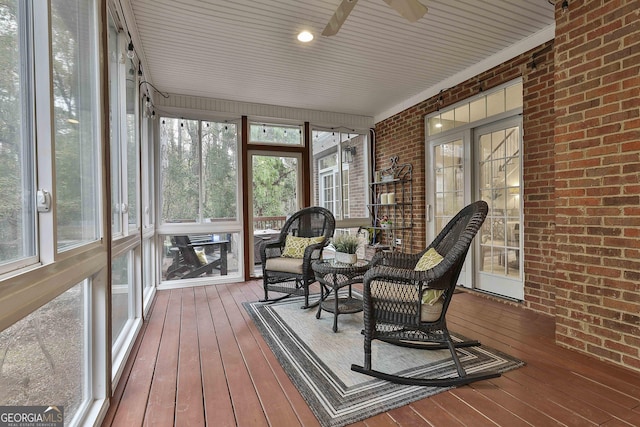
(339, 17)
(411, 10)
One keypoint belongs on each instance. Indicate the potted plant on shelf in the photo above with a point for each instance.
(346, 246)
(385, 222)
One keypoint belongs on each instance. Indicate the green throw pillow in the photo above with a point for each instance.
(430, 259)
(294, 246)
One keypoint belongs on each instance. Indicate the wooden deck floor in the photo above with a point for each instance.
(201, 361)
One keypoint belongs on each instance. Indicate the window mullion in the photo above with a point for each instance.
(201, 177)
(44, 130)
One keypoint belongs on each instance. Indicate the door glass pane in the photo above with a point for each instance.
(179, 170)
(275, 196)
(499, 177)
(220, 171)
(449, 181)
(43, 356)
(17, 223)
(275, 185)
(74, 49)
(328, 191)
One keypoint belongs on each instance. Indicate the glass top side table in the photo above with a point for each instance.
(334, 276)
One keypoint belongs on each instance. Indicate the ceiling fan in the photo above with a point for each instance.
(412, 10)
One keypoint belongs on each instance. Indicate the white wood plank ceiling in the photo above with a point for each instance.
(378, 63)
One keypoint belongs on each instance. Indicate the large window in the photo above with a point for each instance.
(124, 141)
(17, 210)
(43, 355)
(198, 171)
(53, 340)
(132, 148)
(127, 282)
(200, 229)
(114, 128)
(75, 127)
(341, 165)
(498, 101)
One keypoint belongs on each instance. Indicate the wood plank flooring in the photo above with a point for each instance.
(201, 361)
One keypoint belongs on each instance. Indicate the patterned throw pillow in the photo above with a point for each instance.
(430, 259)
(294, 246)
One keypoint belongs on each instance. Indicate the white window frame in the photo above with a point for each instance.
(325, 149)
(22, 291)
(230, 225)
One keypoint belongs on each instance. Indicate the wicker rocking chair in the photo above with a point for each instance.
(290, 273)
(394, 295)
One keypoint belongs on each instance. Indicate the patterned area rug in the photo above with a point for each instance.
(318, 361)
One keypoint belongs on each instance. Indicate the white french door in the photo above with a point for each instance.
(449, 187)
(481, 163)
(498, 176)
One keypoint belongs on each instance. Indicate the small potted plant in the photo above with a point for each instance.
(385, 222)
(346, 246)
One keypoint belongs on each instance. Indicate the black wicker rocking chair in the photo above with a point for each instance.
(393, 308)
(293, 275)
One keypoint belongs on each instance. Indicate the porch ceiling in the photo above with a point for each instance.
(377, 65)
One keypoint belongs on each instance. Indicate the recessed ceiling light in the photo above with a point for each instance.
(305, 36)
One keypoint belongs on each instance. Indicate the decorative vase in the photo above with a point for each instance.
(345, 258)
(385, 225)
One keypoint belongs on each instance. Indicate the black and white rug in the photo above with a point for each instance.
(318, 361)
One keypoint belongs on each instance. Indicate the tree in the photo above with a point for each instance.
(274, 185)
(12, 142)
(220, 163)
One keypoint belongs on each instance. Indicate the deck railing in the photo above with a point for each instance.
(268, 222)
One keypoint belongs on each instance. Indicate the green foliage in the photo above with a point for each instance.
(346, 243)
(11, 141)
(275, 134)
(180, 173)
(181, 150)
(274, 185)
(220, 163)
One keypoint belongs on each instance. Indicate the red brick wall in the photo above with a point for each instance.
(581, 174)
(404, 135)
(538, 181)
(597, 140)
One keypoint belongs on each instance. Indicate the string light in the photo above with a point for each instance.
(130, 52)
